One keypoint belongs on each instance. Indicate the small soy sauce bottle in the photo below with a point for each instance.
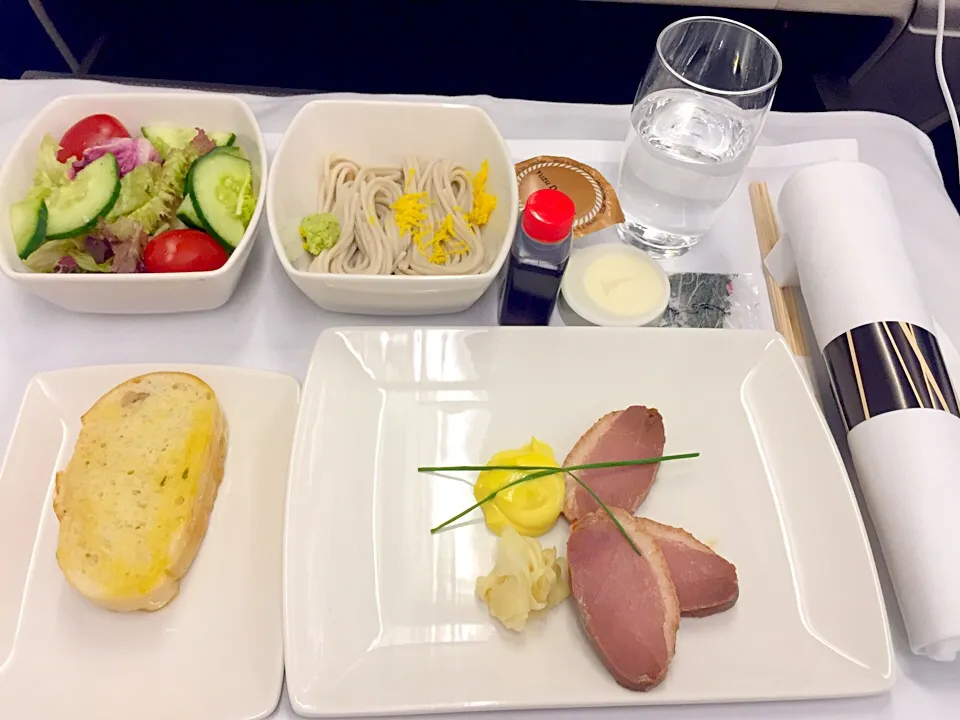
(537, 260)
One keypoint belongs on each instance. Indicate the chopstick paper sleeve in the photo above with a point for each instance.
(887, 366)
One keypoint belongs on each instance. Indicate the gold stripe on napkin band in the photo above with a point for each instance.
(887, 366)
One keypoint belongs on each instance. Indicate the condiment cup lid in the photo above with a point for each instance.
(649, 301)
(548, 216)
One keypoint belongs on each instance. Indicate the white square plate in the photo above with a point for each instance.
(216, 651)
(381, 617)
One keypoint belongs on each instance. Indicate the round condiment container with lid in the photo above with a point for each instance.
(615, 285)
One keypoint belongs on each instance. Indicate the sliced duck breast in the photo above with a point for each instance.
(630, 434)
(627, 602)
(706, 583)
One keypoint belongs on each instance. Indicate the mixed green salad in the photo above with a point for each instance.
(105, 202)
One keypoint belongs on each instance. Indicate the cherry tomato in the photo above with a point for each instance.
(183, 251)
(93, 130)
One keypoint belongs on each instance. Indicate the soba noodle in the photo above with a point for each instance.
(422, 218)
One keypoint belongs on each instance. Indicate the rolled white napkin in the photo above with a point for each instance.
(890, 382)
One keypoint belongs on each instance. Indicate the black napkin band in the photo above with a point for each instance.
(887, 366)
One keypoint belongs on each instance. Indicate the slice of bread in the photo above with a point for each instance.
(135, 498)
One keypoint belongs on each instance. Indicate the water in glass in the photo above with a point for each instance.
(698, 112)
(684, 153)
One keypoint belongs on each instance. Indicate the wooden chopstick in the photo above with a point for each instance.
(783, 301)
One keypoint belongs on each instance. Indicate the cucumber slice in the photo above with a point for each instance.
(74, 208)
(223, 139)
(187, 181)
(188, 215)
(217, 179)
(234, 150)
(169, 137)
(229, 149)
(28, 220)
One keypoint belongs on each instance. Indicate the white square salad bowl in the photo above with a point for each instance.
(376, 133)
(132, 293)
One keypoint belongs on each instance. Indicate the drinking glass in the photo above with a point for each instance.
(693, 126)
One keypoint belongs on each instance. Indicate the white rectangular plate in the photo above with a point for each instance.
(381, 617)
(216, 651)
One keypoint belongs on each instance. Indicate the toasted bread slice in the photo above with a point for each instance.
(135, 498)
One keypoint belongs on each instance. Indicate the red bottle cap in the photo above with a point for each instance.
(548, 216)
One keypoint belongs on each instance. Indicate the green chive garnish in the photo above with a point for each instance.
(607, 510)
(544, 471)
(589, 466)
(532, 476)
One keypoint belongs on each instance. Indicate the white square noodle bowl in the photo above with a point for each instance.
(134, 293)
(379, 133)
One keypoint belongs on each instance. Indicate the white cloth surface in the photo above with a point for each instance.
(269, 324)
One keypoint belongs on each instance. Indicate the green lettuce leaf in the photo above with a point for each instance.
(45, 258)
(167, 190)
(88, 264)
(124, 230)
(136, 189)
(50, 173)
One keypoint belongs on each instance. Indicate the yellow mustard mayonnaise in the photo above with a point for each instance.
(531, 507)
